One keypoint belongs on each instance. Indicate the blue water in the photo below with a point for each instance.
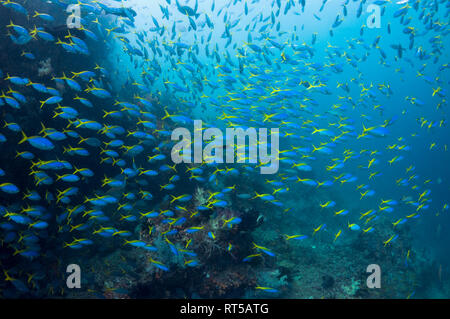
(88, 177)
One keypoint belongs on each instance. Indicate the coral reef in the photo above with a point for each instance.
(45, 67)
(230, 282)
(351, 289)
(200, 196)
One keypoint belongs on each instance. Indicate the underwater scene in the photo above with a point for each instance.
(254, 149)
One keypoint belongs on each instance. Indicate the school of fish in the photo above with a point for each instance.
(94, 161)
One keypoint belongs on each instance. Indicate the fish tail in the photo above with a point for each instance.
(24, 138)
(126, 242)
(43, 128)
